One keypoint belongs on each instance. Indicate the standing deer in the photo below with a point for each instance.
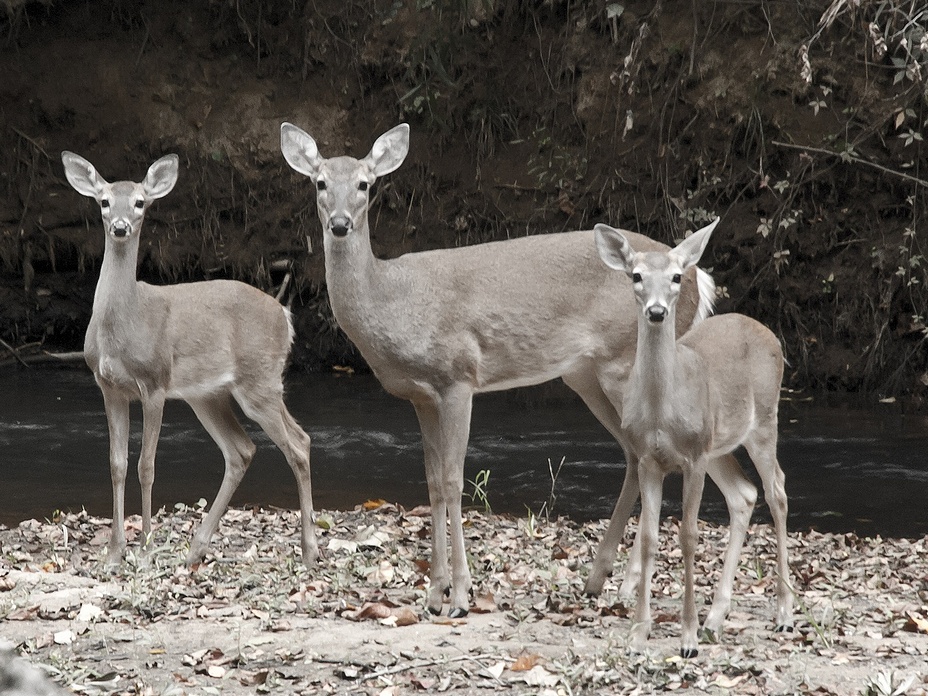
(439, 326)
(690, 401)
(206, 343)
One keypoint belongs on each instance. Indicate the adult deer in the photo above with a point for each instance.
(206, 343)
(436, 327)
(689, 402)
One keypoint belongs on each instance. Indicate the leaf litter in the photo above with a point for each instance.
(252, 619)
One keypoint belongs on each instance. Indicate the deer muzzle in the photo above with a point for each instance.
(657, 314)
(340, 225)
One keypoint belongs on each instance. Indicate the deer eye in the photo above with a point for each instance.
(676, 279)
(105, 203)
(320, 185)
(636, 277)
(362, 186)
(139, 204)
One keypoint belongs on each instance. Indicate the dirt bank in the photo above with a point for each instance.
(789, 120)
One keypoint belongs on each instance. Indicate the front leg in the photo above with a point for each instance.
(439, 579)
(152, 414)
(609, 546)
(117, 420)
(652, 484)
(693, 482)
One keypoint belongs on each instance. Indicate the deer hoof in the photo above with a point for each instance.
(457, 613)
(783, 628)
(689, 653)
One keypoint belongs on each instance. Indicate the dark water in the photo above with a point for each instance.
(847, 468)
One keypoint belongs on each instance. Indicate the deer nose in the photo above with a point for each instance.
(657, 313)
(340, 225)
(120, 228)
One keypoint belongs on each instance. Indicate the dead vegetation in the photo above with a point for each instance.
(800, 123)
(251, 617)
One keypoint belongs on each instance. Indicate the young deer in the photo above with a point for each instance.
(689, 402)
(206, 343)
(437, 327)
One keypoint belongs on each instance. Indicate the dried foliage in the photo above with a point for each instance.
(252, 618)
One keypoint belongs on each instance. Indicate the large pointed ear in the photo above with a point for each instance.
(161, 177)
(690, 249)
(82, 175)
(389, 151)
(300, 150)
(613, 247)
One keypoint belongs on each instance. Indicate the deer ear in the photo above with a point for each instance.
(300, 150)
(82, 175)
(613, 247)
(389, 150)
(690, 250)
(161, 177)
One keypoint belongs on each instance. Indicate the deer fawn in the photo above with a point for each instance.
(687, 405)
(437, 327)
(206, 343)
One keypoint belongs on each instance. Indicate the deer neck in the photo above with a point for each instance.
(656, 370)
(116, 300)
(351, 272)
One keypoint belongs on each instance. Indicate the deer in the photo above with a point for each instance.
(438, 326)
(689, 401)
(207, 343)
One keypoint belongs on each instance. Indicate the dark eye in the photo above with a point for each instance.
(320, 185)
(636, 277)
(676, 278)
(362, 186)
(105, 203)
(139, 204)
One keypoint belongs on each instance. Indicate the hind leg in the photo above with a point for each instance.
(218, 418)
(274, 418)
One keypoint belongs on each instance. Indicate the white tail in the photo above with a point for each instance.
(439, 326)
(206, 343)
(688, 404)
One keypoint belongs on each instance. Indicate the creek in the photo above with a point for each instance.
(849, 466)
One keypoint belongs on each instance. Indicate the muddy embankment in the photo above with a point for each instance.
(800, 124)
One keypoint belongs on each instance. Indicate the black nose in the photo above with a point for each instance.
(657, 314)
(340, 226)
(120, 231)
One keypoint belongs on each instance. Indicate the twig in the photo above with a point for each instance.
(427, 663)
(30, 140)
(13, 351)
(851, 158)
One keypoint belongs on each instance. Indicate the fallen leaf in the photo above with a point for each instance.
(525, 663)
(65, 637)
(916, 623)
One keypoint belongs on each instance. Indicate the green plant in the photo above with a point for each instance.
(547, 508)
(480, 482)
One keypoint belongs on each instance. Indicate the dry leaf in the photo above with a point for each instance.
(525, 663)
(916, 623)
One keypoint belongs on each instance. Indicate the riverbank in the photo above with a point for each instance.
(252, 617)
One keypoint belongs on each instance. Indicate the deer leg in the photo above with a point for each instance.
(693, 483)
(762, 450)
(652, 483)
(280, 426)
(609, 546)
(218, 418)
(454, 419)
(152, 413)
(439, 577)
(117, 420)
(740, 497)
(595, 398)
